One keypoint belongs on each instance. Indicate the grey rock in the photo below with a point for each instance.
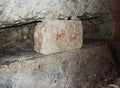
(72, 69)
(24, 11)
(21, 36)
(100, 28)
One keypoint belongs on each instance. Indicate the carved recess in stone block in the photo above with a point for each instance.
(54, 36)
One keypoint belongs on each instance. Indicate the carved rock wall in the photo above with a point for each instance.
(73, 69)
(54, 36)
(22, 36)
(23, 11)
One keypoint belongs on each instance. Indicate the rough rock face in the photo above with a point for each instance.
(116, 47)
(116, 13)
(54, 36)
(100, 28)
(17, 11)
(101, 25)
(22, 36)
(72, 69)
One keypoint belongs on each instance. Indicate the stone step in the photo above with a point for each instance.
(72, 69)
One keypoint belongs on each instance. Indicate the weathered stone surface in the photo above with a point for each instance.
(73, 69)
(107, 25)
(17, 11)
(116, 48)
(22, 36)
(116, 13)
(100, 28)
(52, 36)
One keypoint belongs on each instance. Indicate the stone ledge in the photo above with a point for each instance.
(73, 69)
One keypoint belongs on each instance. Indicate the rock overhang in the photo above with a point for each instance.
(24, 11)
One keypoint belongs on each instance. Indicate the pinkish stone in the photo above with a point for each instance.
(53, 36)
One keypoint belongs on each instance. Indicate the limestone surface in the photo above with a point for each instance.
(53, 36)
(24, 11)
(72, 69)
(22, 36)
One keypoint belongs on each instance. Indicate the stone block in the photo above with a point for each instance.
(53, 36)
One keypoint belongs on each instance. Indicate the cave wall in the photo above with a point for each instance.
(21, 36)
(22, 20)
(116, 16)
(96, 17)
(10, 12)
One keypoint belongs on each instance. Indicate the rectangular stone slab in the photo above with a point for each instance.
(53, 36)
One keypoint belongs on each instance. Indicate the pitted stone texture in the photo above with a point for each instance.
(73, 69)
(22, 36)
(53, 36)
(98, 29)
(116, 46)
(17, 11)
(36, 9)
(116, 13)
